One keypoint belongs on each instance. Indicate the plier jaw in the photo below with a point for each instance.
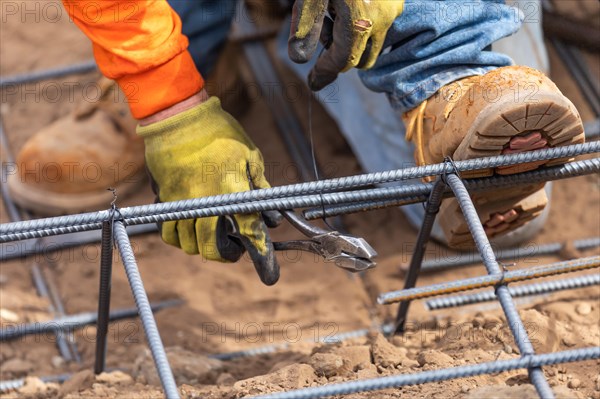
(353, 254)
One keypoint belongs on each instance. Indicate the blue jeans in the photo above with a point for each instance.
(433, 43)
(206, 23)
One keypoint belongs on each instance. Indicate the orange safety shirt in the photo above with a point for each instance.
(139, 44)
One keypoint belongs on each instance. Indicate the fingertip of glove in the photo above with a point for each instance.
(269, 275)
(299, 51)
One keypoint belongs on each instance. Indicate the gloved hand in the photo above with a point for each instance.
(200, 152)
(358, 33)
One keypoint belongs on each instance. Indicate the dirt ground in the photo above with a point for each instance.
(226, 308)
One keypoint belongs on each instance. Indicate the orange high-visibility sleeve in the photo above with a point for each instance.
(139, 44)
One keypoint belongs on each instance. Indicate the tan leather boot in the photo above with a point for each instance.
(508, 110)
(68, 166)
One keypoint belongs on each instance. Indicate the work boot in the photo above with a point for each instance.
(508, 110)
(68, 166)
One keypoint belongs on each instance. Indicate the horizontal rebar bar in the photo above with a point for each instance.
(490, 280)
(397, 381)
(72, 322)
(267, 199)
(145, 311)
(385, 329)
(33, 247)
(54, 73)
(457, 260)
(516, 291)
(420, 191)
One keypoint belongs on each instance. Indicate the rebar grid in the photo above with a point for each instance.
(283, 197)
(517, 292)
(490, 280)
(75, 321)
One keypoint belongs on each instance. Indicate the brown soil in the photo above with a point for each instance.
(226, 307)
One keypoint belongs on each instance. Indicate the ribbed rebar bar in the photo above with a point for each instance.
(239, 202)
(143, 304)
(490, 280)
(35, 247)
(385, 329)
(516, 254)
(73, 322)
(104, 289)
(420, 191)
(536, 375)
(431, 211)
(54, 73)
(545, 287)
(397, 381)
(42, 289)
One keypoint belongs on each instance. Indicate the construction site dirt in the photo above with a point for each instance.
(226, 308)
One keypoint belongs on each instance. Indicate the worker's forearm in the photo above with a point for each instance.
(173, 110)
(140, 45)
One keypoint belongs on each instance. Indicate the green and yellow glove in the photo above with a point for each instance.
(200, 152)
(357, 35)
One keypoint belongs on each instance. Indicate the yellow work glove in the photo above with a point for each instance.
(355, 39)
(200, 152)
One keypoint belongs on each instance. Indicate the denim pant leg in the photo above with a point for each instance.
(206, 23)
(434, 43)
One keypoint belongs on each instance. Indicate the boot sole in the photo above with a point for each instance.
(49, 203)
(554, 116)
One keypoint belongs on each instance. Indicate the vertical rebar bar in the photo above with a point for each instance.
(484, 247)
(42, 290)
(431, 211)
(143, 304)
(104, 291)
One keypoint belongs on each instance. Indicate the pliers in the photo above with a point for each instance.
(351, 253)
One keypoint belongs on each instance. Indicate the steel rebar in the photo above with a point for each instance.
(54, 73)
(431, 211)
(73, 322)
(271, 197)
(536, 375)
(576, 64)
(42, 289)
(397, 381)
(104, 291)
(490, 280)
(420, 191)
(46, 248)
(516, 292)
(143, 304)
(57, 302)
(516, 254)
